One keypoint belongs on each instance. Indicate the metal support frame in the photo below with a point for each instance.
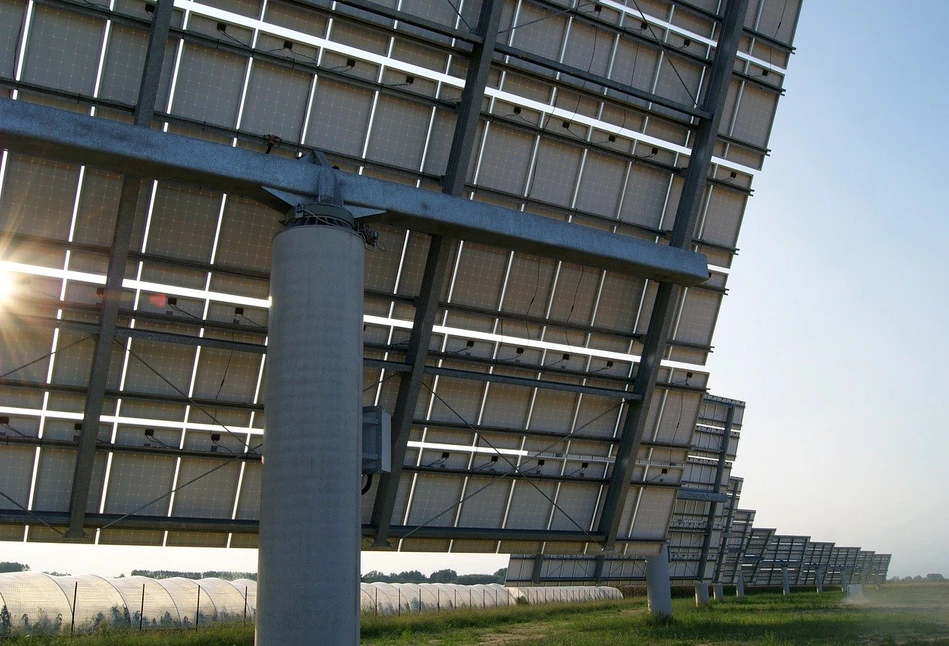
(538, 569)
(436, 269)
(713, 506)
(723, 547)
(65, 136)
(118, 258)
(598, 568)
(693, 191)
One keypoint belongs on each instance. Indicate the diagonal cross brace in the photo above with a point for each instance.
(112, 296)
(436, 269)
(660, 321)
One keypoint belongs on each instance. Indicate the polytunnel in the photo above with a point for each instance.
(34, 602)
(564, 594)
(398, 598)
(403, 598)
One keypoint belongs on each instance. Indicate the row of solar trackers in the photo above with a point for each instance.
(710, 539)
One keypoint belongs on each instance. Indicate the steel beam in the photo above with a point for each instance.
(576, 72)
(713, 505)
(436, 269)
(530, 383)
(722, 548)
(118, 257)
(80, 139)
(660, 321)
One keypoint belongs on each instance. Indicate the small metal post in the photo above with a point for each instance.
(438, 599)
(658, 591)
(72, 624)
(141, 611)
(785, 580)
(399, 593)
(245, 604)
(740, 585)
(701, 594)
(197, 609)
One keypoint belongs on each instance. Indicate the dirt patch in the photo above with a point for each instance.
(511, 636)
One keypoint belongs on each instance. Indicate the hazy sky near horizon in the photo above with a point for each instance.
(832, 330)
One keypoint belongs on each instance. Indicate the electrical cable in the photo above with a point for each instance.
(43, 522)
(553, 15)
(458, 13)
(190, 400)
(663, 47)
(515, 467)
(45, 356)
(228, 461)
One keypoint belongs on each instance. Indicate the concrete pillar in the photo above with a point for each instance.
(658, 588)
(785, 580)
(740, 586)
(308, 591)
(820, 580)
(844, 580)
(855, 591)
(701, 594)
(718, 592)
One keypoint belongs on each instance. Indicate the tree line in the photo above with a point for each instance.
(439, 576)
(914, 579)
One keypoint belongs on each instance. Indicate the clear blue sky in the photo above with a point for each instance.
(834, 328)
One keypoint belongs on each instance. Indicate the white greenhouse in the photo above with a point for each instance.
(37, 602)
(403, 598)
(34, 602)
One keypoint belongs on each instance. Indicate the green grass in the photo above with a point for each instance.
(894, 614)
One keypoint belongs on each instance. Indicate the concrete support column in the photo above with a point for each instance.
(308, 591)
(820, 580)
(740, 586)
(658, 588)
(785, 581)
(718, 592)
(701, 594)
(844, 580)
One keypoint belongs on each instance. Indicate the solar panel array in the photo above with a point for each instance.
(714, 546)
(588, 117)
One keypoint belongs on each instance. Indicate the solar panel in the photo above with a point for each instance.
(523, 385)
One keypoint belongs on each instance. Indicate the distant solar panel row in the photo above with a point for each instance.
(588, 116)
(710, 538)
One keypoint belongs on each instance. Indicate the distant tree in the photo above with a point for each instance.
(917, 578)
(167, 574)
(935, 577)
(501, 575)
(5, 621)
(443, 576)
(410, 576)
(10, 566)
(57, 573)
(474, 579)
(375, 576)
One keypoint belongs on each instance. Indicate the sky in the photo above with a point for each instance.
(832, 330)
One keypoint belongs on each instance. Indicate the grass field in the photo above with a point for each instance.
(895, 614)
